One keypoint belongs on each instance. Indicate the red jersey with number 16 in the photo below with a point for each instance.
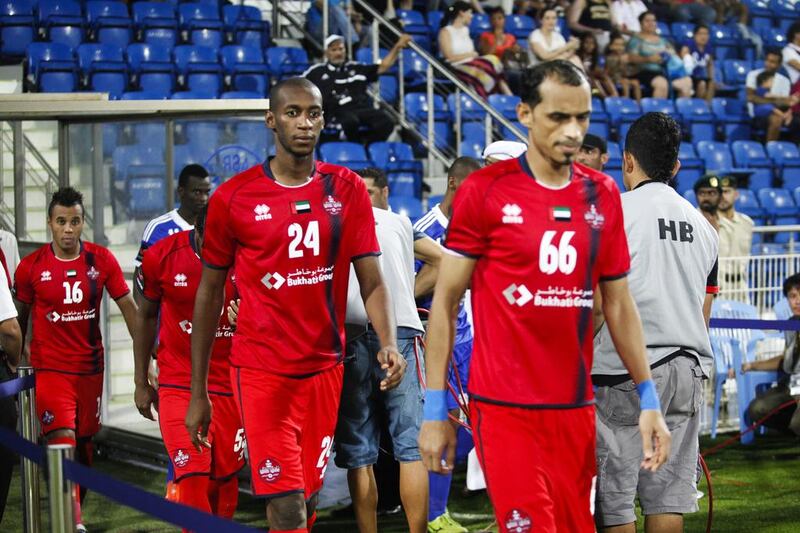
(170, 274)
(540, 253)
(291, 248)
(65, 297)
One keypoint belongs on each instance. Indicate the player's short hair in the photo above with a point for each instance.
(200, 221)
(377, 175)
(276, 93)
(792, 282)
(191, 171)
(66, 197)
(463, 166)
(653, 140)
(563, 72)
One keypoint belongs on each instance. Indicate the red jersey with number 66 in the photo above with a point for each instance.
(170, 274)
(291, 248)
(65, 297)
(540, 253)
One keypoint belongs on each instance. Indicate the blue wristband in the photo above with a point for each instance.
(648, 397)
(435, 408)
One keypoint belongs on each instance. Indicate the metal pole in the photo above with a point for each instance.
(20, 213)
(431, 140)
(325, 22)
(169, 155)
(98, 191)
(63, 153)
(401, 84)
(458, 123)
(60, 489)
(29, 469)
(376, 45)
(349, 35)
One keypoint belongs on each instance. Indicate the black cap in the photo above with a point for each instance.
(708, 180)
(728, 181)
(593, 141)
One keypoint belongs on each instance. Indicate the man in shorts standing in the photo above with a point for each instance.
(534, 236)
(290, 227)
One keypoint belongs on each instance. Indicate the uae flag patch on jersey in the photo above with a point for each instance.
(561, 213)
(72, 273)
(303, 206)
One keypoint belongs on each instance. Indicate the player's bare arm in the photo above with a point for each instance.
(379, 308)
(437, 437)
(144, 396)
(429, 252)
(625, 328)
(23, 314)
(127, 307)
(11, 341)
(597, 311)
(707, 303)
(207, 309)
(137, 288)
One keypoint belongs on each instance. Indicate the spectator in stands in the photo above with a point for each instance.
(788, 367)
(657, 61)
(437, 5)
(697, 11)
(592, 16)
(484, 74)
(708, 192)
(343, 85)
(735, 240)
(496, 42)
(593, 152)
(593, 64)
(791, 52)
(339, 21)
(546, 43)
(625, 15)
(698, 59)
(768, 96)
(529, 8)
(618, 69)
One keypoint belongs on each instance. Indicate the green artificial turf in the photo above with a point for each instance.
(756, 489)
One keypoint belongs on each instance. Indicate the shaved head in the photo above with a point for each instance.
(283, 90)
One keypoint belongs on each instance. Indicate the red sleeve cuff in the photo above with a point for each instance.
(712, 290)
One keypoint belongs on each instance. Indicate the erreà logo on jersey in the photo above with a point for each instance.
(180, 459)
(262, 212)
(518, 521)
(46, 276)
(186, 326)
(180, 280)
(512, 214)
(269, 470)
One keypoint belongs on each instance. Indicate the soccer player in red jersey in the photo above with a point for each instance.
(170, 273)
(61, 284)
(534, 236)
(290, 228)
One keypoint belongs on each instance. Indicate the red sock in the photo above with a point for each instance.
(76, 491)
(192, 491)
(310, 521)
(224, 496)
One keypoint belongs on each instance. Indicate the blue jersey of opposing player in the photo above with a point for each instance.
(160, 227)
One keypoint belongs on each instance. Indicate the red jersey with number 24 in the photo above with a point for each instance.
(65, 301)
(291, 248)
(170, 275)
(540, 253)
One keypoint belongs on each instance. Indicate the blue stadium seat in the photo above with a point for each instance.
(109, 22)
(199, 68)
(152, 68)
(146, 192)
(773, 37)
(252, 135)
(435, 20)
(470, 109)
(692, 167)
(395, 157)
(155, 23)
(103, 68)
(600, 129)
(614, 165)
(747, 203)
(414, 24)
(16, 27)
(760, 14)
(52, 68)
(351, 155)
(786, 236)
(796, 195)
(786, 159)
(663, 29)
(508, 133)
(751, 154)
(658, 105)
(622, 113)
(364, 55)
(777, 202)
(417, 107)
(200, 24)
(286, 61)
(142, 95)
(520, 26)
(128, 157)
(725, 41)
(784, 13)
(473, 132)
(682, 32)
(203, 135)
(732, 117)
(388, 88)
(480, 23)
(150, 133)
(697, 118)
(185, 154)
(414, 70)
(61, 21)
(690, 196)
(245, 26)
(471, 148)
(193, 95)
(409, 206)
(506, 105)
(233, 95)
(735, 71)
(246, 68)
(717, 155)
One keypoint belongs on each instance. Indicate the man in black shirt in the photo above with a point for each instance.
(344, 91)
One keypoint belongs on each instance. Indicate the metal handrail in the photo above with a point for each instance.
(299, 26)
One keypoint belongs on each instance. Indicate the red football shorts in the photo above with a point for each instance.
(226, 456)
(539, 466)
(289, 425)
(69, 401)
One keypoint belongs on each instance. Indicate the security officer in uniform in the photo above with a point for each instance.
(343, 85)
(735, 240)
(708, 192)
(672, 280)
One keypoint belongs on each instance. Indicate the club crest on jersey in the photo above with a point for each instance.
(269, 470)
(72, 273)
(518, 521)
(512, 214)
(53, 317)
(180, 280)
(180, 459)
(186, 326)
(332, 205)
(92, 273)
(46, 276)
(262, 212)
(595, 219)
(48, 418)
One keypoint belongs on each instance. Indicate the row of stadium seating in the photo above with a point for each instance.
(110, 22)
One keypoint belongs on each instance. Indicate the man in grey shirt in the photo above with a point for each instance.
(672, 280)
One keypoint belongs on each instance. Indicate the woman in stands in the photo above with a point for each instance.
(547, 43)
(496, 41)
(653, 55)
(483, 73)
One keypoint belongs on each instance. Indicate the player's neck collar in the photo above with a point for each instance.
(193, 242)
(268, 172)
(80, 251)
(523, 162)
(646, 182)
